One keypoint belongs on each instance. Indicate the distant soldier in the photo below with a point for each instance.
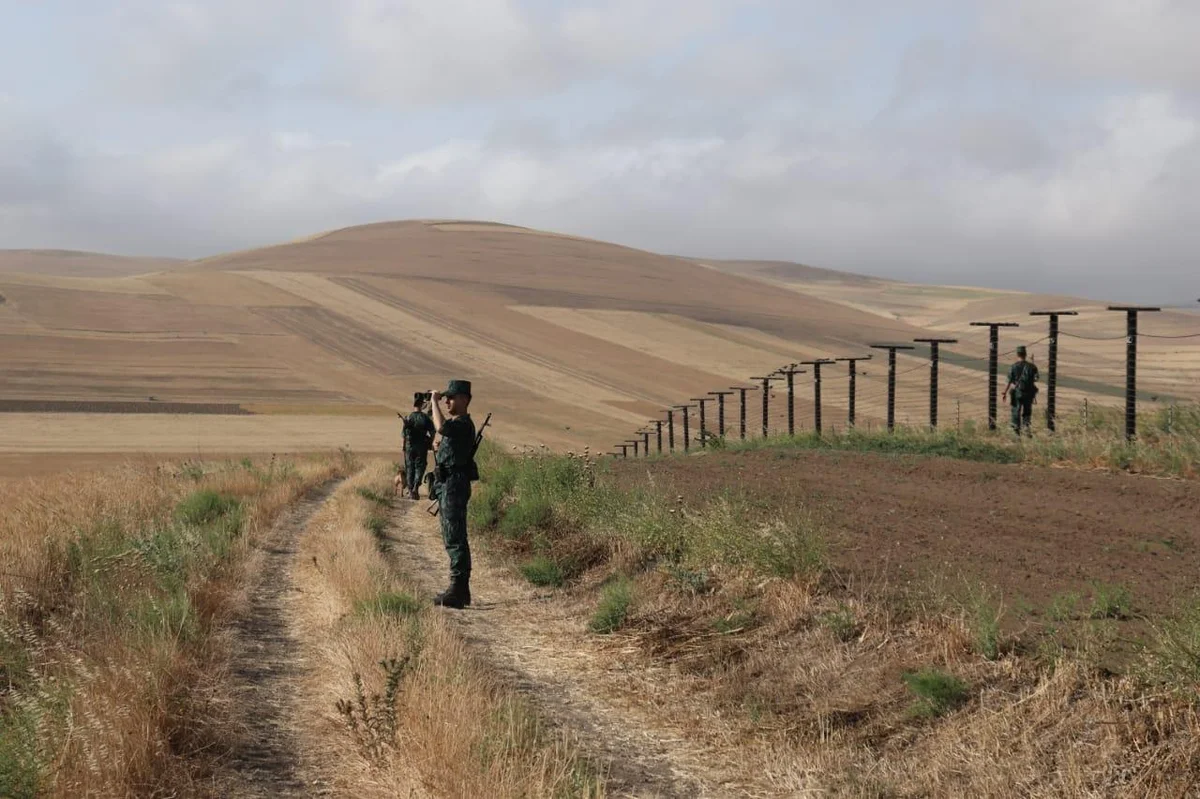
(455, 469)
(418, 440)
(1022, 382)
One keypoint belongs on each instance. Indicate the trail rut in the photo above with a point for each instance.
(574, 680)
(267, 760)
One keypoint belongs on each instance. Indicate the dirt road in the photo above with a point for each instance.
(267, 760)
(577, 680)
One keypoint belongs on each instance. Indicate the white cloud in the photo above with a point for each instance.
(860, 136)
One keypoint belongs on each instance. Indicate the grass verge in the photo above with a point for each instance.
(113, 587)
(407, 705)
(831, 686)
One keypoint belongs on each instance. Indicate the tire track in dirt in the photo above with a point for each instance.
(543, 648)
(266, 760)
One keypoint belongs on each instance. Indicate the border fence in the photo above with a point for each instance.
(891, 404)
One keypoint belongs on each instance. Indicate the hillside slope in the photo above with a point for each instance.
(569, 341)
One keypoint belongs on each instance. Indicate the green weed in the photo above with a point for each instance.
(841, 622)
(936, 692)
(206, 507)
(395, 603)
(1111, 601)
(544, 572)
(371, 495)
(613, 608)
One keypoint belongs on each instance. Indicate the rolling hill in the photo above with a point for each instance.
(569, 341)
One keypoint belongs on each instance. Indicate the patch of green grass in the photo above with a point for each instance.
(376, 524)
(689, 581)
(389, 604)
(544, 572)
(614, 606)
(949, 444)
(983, 618)
(1174, 657)
(841, 622)
(20, 770)
(936, 692)
(206, 507)
(370, 495)
(1064, 607)
(1111, 601)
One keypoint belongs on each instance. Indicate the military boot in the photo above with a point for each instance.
(457, 596)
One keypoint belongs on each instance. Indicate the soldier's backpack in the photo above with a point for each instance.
(1026, 386)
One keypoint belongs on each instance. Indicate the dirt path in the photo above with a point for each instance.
(267, 658)
(574, 678)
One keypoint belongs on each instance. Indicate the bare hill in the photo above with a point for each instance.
(569, 341)
(73, 263)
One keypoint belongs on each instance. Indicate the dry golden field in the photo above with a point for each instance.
(570, 342)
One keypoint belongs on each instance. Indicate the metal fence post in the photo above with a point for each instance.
(766, 402)
(720, 395)
(1131, 332)
(671, 428)
(993, 356)
(891, 400)
(687, 435)
(703, 420)
(658, 430)
(852, 372)
(1052, 366)
(816, 365)
(934, 350)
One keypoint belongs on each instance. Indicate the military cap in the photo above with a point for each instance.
(457, 387)
(1021, 350)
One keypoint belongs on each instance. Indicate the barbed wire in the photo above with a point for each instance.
(1174, 338)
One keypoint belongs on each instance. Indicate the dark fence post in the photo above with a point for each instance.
(816, 365)
(703, 420)
(645, 443)
(1131, 333)
(671, 428)
(790, 371)
(891, 391)
(934, 349)
(635, 443)
(687, 435)
(766, 403)
(720, 395)
(658, 431)
(853, 374)
(993, 356)
(742, 390)
(624, 450)
(1052, 366)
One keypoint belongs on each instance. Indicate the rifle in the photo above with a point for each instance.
(435, 507)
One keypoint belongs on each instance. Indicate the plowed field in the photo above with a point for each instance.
(1035, 533)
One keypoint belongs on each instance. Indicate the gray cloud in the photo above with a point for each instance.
(911, 144)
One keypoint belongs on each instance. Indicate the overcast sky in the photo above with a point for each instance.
(1046, 144)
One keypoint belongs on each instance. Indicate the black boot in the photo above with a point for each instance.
(457, 596)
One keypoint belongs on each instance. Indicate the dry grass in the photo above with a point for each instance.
(113, 584)
(806, 674)
(448, 726)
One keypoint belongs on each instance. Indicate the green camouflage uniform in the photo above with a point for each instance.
(418, 439)
(1023, 376)
(456, 469)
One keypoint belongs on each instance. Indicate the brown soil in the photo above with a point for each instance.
(266, 759)
(576, 680)
(1033, 532)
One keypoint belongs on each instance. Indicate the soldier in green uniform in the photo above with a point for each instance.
(1022, 382)
(418, 439)
(455, 470)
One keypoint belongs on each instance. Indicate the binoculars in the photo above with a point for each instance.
(422, 396)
